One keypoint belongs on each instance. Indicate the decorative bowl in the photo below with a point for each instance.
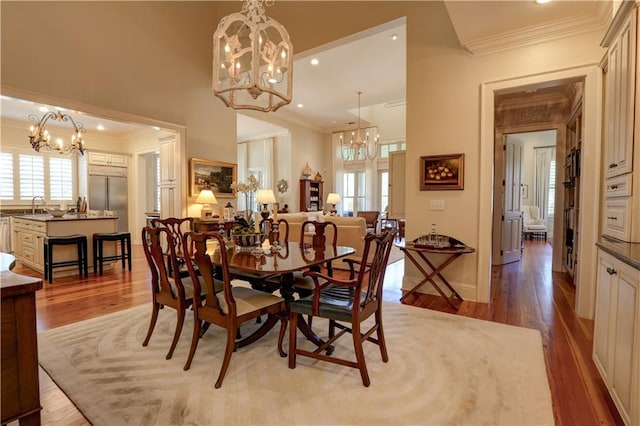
(248, 240)
(57, 212)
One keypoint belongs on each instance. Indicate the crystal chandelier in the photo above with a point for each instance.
(40, 137)
(252, 60)
(363, 143)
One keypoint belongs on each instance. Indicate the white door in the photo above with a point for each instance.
(512, 215)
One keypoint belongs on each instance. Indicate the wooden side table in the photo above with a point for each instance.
(20, 398)
(417, 254)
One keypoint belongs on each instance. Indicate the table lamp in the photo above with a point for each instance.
(206, 198)
(333, 198)
(264, 197)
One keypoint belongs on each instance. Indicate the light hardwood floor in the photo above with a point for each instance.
(524, 293)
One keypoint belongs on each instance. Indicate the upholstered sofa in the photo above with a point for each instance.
(351, 231)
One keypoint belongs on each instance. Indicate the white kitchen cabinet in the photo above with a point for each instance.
(29, 243)
(104, 159)
(622, 127)
(167, 161)
(620, 94)
(616, 342)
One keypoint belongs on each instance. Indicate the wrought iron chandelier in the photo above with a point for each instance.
(363, 143)
(40, 137)
(252, 60)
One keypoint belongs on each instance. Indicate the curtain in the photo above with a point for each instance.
(543, 157)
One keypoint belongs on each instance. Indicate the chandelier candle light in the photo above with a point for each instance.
(252, 60)
(361, 142)
(40, 137)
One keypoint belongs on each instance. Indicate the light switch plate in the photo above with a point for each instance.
(436, 205)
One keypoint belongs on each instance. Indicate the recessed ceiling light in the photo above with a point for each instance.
(315, 61)
(300, 105)
(100, 127)
(43, 109)
(394, 37)
(542, 1)
(155, 127)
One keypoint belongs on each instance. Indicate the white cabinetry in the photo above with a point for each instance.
(621, 194)
(169, 172)
(28, 239)
(104, 159)
(616, 342)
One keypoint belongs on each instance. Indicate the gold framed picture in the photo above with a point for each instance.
(214, 175)
(441, 172)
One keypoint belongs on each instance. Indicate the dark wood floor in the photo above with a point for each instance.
(524, 293)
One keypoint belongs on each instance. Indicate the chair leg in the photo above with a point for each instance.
(381, 341)
(283, 331)
(293, 328)
(94, 244)
(228, 351)
(129, 252)
(176, 335)
(357, 346)
(85, 253)
(152, 324)
(197, 325)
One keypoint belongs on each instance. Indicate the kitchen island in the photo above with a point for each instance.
(29, 230)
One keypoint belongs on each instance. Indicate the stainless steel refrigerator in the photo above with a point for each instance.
(108, 191)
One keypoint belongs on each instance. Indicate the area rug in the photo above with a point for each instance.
(443, 370)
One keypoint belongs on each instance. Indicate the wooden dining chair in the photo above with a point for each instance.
(173, 291)
(275, 230)
(177, 227)
(230, 307)
(346, 304)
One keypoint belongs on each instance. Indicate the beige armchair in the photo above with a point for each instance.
(533, 225)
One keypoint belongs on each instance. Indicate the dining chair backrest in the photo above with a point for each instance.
(200, 264)
(322, 233)
(177, 227)
(161, 262)
(373, 272)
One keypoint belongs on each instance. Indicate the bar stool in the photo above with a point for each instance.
(98, 249)
(80, 241)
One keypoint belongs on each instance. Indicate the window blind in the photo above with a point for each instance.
(60, 179)
(31, 169)
(6, 176)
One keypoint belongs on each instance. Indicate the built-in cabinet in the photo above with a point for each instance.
(104, 159)
(168, 177)
(621, 192)
(572, 187)
(311, 195)
(616, 341)
(28, 242)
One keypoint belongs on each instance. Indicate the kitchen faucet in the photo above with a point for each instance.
(33, 203)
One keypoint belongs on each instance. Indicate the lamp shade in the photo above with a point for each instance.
(333, 198)
(206, 197)
(265, 196)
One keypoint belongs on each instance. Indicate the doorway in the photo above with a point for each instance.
(590, 200)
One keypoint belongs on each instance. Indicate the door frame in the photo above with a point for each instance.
(589, 200)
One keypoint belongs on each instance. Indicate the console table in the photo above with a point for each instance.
(418, 255)
(19, 347)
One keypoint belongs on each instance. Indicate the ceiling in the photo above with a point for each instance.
(328, 93)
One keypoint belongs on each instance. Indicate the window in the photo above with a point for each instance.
(31, 169)
(60, 178)
(384, 189)
(391, 147)
(551, 203)
(6, 176)
(353, 188)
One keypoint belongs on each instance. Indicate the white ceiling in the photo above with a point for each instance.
(328, 90)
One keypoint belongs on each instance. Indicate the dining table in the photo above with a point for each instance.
(257, 264)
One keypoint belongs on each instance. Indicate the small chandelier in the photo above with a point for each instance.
(252, 60)
(41, 138)
(363, 143)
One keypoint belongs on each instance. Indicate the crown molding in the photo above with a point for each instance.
(562, 28)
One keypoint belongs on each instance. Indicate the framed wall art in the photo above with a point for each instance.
(214, 175)
(441, 172)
